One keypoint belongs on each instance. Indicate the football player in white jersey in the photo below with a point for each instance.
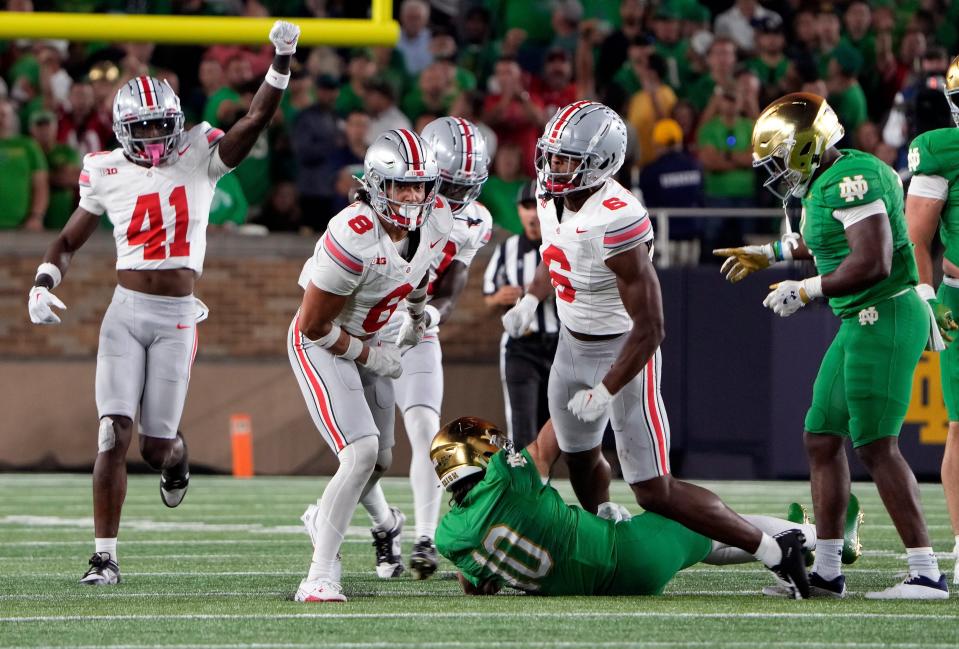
(596, 249)
(463, 167)
(374, 255)
(156, 189)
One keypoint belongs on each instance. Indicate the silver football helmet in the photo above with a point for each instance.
(463, 161)
(585, 131)
(147, 120)
(396, 158)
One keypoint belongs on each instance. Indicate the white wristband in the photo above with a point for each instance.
(813, 287)
(529, 301)
(330, 338)
(277, 80)
(432, 315)
(46, 268)
(926, 292)
(354, 350)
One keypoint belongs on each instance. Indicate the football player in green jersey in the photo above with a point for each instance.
(508, 525)
(854, 230)
(933, 202)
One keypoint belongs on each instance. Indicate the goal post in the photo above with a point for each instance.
(380, 29)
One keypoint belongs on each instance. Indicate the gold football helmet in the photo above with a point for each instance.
(464, 447)
(789, 139)
(952, 88)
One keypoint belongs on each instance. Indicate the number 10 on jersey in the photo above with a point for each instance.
(154, 237)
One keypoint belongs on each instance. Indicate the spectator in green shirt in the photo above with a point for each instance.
(670, 44)
(64, 169)
(359, 70)
(770, 64)
(726, 153)
(845, 94)
(229, 204)
(433, 93)
(499, 192)
(720, 64)
(828, 29)
(24, 188)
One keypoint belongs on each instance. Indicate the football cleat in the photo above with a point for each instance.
(818, 588)
(319, 590)
(798, 514)
(103, 571)
(791, 570)
(915, 586)
(423, 559)
(851, 547)
(175, 481)
(386, 543)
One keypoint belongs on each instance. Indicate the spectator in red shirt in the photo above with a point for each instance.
(515, 114)
(81, 125)
(556, 87)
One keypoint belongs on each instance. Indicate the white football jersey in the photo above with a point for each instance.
(575, 252)
(159, 214)
(356, 257)
(472, 229)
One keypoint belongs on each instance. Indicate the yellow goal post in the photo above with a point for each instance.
(379, 29)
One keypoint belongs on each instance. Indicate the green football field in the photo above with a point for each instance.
(220, 571)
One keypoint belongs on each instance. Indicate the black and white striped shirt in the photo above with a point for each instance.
(514, 263)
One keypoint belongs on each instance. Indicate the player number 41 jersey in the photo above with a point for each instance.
(575, 251)
(355, 257)
(159, 214)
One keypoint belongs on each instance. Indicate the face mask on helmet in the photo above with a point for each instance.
(152, 140)
(782, 182)
(560, 172)
(952, 97)
(408, 203)
(459, 195)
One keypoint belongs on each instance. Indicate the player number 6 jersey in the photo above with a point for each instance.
(575, 251)
(159, 214)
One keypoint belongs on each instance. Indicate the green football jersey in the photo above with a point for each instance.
(856, 179)
(513, 527)
(936, 153)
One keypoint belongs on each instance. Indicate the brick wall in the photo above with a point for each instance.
(249, 283)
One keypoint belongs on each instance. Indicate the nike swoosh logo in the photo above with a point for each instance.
(433, 245)
(179, 326)
(578, 231)
(184, 149)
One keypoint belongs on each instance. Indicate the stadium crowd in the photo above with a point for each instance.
(689, 78)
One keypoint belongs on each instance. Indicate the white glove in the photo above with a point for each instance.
(608, 510)
(284, 36)
(789, 296)
(518, 319)
(411, 331)
(590, 405)
(384, 360)
(39, 303)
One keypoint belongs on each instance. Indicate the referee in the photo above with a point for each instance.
(524, 362)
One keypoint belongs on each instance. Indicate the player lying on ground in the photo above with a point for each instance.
(508, 526)
(854, 231)
(157, 190)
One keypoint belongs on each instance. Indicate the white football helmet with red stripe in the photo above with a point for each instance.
(395, 158)
(587, 131)
(461, 154)
(147, 120)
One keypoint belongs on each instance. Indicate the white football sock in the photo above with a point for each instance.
(955, 548)
(376, 506)
(769, 551)
(338, 503)
(924, 562)
(421, 426)
(109, 546)
(723, 554)
(828, 558)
